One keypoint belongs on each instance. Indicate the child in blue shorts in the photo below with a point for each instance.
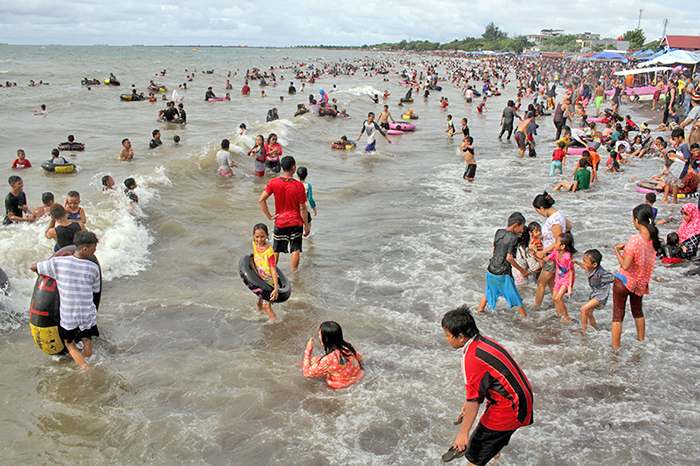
(499, 275)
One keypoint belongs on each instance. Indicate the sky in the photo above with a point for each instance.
(286, 23)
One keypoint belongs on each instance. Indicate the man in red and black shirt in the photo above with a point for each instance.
(490, 373)
(291, 217)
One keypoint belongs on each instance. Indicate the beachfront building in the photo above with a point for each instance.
(690, 43)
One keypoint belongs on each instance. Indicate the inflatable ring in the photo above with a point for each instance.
(406, 116)
(58, 167)
(131, 97)
(44, 314)
(249, 275)
(646, 189)
(405, 100)
(394, 132)
(402, 126)
(75, 147)
(112, 82)
(347, 146)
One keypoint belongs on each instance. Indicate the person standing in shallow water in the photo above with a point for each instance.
(507, 119)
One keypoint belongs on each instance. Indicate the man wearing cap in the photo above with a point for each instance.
(694, 109)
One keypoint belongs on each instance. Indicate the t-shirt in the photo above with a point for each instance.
(583, 176)
(155, 143)
(370, 129)
(557, 218)
(77, 280)
(491, 373)
(505, 242)
(21, 163)
(289, 195)
(224, 159)
(264, 262)
(14, 204)
(508, 116)
(643, 257)
(693, 114)
(269, 149)
(558, 155)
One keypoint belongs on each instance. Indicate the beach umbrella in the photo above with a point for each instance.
(607, 56)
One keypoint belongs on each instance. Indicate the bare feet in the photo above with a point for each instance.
(566, 320)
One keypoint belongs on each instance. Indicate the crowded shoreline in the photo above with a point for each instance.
(359, 106)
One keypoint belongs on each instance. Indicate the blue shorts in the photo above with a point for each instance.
(501, 285)
(371, 147)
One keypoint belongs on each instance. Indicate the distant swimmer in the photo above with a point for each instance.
(127, 153)
(41, 111)
(155, 142)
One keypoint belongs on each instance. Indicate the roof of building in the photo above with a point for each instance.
(682, 42)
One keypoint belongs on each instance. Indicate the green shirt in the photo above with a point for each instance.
(583, 176)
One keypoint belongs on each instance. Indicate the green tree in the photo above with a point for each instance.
(636, 38)
(597, 47)
(493, 33)
(654, 45)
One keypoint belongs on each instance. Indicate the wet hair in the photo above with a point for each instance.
(71, 138)
(567, 239)
(269, 138)
(124, 140)
(54, 152)
(260, 226)
(678, 133)
(84, 238)
(155, 131)
(644, 214)
(20, 151)
(469, 139)
(47, 198)
(13, 179)
(225, 144)
(524, 238)
(650, 197)
(561, 144)
(332, 339)
(130, 183)
(243, 126)
(57, 211)
(449, 117)
(583, 163)
(287, 163)
(594, 255)
(672, 239)
(694, 145)
(176, 138)
(543, 201)
(516, 218)
(370, 114)
(534, 226)
(302, 172)
(460, 322)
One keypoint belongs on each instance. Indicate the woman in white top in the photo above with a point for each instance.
(555, 225)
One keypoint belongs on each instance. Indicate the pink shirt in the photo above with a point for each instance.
(643, 258)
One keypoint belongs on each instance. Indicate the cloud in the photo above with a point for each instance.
(285, 23)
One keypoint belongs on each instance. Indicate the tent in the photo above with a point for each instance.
(607, 56)
(642, 54)
(676, 56)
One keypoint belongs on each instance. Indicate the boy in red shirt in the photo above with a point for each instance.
(21, 161)
(490, 373)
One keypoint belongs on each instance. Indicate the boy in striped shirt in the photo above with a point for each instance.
(78, 278)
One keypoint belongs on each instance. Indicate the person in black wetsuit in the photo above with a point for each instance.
(170, 113)
(209, 95)
(61, 229)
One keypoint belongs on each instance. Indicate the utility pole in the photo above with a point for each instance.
(639, 21)
(664, 33)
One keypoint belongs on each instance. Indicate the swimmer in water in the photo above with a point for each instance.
(341, 364)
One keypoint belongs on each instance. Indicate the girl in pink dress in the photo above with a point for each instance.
(564, 275)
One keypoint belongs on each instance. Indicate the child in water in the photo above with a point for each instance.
(341, 364)
(302, 173)
(75, 212)
(264, 259)
(600, 281)
(564, 272)
(450, 126)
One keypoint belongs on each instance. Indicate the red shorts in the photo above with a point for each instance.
(620, 294)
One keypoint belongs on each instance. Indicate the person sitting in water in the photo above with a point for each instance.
(341, 364)
(155, 142)
(108, 184)
(301, 109)
(71, 142)
(47, 200)
(21, 161)
(582, 179)
(209, 94)
(344, 142)
(57, 158)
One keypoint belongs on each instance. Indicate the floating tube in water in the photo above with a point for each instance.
(647, 189)
(249, 275)
(575, 150)
(58, 167)
(405, 100)
(595, 119)
(215, 99)
(72, 147)
(90, 82)
(406, 116)
(44, 314)
(112, 82)
(131, 98)
(402, 126)
(348, 146)
(394, 131)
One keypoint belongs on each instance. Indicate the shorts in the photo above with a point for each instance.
(549, 266)
(226, 172)
(601, 296)
(77, 335)
(501, 285)
(471, 171)
(371, 147)
(384, 125)
(657, 94)
(469, 100)
(260, 173)
(287, 239)
(598, 101)
(485, 443)
(521, 139)
(620, 294)
(671, 180)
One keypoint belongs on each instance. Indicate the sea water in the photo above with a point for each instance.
(186, 371)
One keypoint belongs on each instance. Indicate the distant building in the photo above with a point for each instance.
(544, 34)
(608, 44)
(691, 43)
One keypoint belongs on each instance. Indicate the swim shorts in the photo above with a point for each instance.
(598, 101)
(521, 139)
(384, 125)
(501, 285)
(470, 172)
(287, 239)
(485, 443)
(620, 294)
(226, 172)
(76, 334)
(371, 147)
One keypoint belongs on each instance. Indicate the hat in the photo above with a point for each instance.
(695, 96)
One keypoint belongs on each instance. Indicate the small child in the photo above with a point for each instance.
(302, 173)
(129, 192)
(649, 200)
(522, 256)
(612, 163)
(468, 151)
(264, 258)
(558, 159)
(565, 274)
(482, 105)
(600, 281)
(21, 161)
(533, 262)
(176, 140)
(344, 142)
(582, 179)
(499, 275)
(450, 126)
(341, 364)
(671, 252)
(242, 129)
(72, 205)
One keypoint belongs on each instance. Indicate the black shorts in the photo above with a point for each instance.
(287, 239)
(485, 443)
(384, 125)
(77, 335)
(521, 139)
(471, 171)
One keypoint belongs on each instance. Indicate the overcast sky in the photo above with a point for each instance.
(311, 22)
